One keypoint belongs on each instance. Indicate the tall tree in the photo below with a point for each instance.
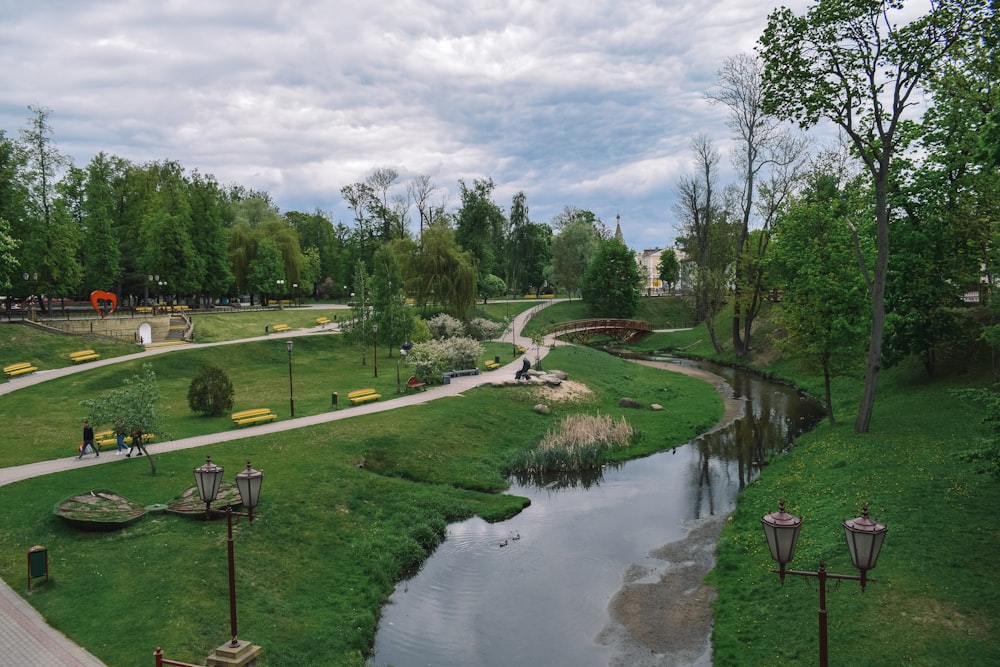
(479, 225)
(389, 309)
(823, 296)
(669, 268)
(420, 189)
(133, 406)
(705, 234)
(50, 242)
(759, 143)
(612, 285)
(849, 62)
(572, 249)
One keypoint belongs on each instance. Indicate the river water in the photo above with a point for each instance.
(535, 589)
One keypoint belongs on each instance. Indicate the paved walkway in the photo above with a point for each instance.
(26, 640)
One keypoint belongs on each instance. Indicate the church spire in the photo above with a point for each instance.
(618, 228)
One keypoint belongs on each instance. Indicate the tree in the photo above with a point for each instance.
(479, 225)
(389, 309)
(133, 406)
(579, 234)
(50, 244)
(266, 269)
(669, 268)
(211, 392)
(823, 297)
(441, 271)
(611, 285)
(847, 61)
(705, 235)
(759, 143)
(420, 189)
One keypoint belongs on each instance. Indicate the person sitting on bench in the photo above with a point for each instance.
(523, 373)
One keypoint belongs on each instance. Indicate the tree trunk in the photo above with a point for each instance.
(874, 361)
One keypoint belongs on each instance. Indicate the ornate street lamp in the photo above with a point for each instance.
(248, 482)
(291, 393)
(208, 478)
(864, 540)
(375, 348)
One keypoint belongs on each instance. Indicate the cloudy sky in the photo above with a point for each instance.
(587, 103)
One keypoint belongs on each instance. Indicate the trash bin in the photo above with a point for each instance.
(333, 399)
(496, 359)
(38, 564)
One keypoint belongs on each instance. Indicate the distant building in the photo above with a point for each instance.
(649, 268)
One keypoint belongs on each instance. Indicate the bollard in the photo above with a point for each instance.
(333, 399)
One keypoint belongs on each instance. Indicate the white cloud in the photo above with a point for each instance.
(584, 104)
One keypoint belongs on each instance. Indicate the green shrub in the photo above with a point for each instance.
(211, 392)
(445, 326)
(480, 328)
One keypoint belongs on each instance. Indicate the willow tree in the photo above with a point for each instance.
(850, 63)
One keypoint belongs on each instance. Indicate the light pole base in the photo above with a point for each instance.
(244, 654)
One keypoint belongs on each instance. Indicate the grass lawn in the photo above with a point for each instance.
(937, 598)
(332, 536)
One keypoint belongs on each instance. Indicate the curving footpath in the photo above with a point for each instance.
(26, 639)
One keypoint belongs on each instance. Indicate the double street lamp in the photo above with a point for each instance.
(208, 479)
(864, 540)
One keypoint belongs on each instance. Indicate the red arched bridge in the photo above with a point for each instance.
(624, 331)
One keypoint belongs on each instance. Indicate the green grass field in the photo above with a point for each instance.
(331, 537)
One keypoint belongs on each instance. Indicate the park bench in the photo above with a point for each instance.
(144, 309)
(83, 355)
(280, 328)
(415, 383)
(107, 439)
(23, 368)
(491, 365)
(454, 374)
(363, 396)
(255, 416)
(323, 321)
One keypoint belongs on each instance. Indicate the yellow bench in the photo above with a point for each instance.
(107, 439)
(520, 349)
(491, 365)
(363, 396)
(281, 328)
(255, 416)
(83, 355)
(143, 309)
(323, 320)
(23, 368)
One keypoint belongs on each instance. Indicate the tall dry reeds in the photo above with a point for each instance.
(577, 443)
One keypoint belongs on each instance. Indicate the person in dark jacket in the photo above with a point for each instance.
(523, 373)
(88, 440)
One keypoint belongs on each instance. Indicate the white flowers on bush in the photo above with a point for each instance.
(481, 328)
(431, 359)
(445, 326)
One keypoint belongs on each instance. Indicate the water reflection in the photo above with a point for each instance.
(535, 589)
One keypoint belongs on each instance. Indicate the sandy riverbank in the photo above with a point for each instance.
(662, 615)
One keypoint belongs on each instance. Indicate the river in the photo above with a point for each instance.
(536, 589)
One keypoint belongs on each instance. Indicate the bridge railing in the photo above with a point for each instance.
(602, 324)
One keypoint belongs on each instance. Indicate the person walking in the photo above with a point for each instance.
(120, 437)
(88, 440)
(136, 441)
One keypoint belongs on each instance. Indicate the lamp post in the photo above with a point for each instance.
(375, 348)
(208, 479)
(31, 279)
(281, 286)
(404, 349)
(291, 393)
(864, 540)
(295, 293)
(150, 279)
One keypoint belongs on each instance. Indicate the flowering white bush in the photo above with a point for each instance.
(429, 360)
(481, 328)
(445, 326)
